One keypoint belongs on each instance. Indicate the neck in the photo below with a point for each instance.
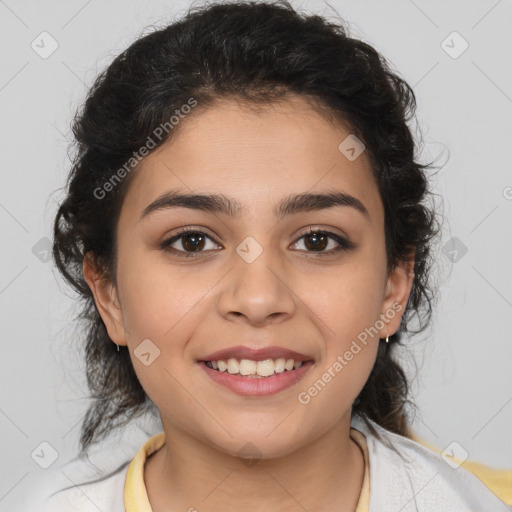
(187, 474)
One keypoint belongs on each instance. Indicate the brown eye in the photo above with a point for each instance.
(316, 241)
(188, 242)
(193, 242)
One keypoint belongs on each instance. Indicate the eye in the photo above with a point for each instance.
(316, 240)
(188, 243)
(191, 242)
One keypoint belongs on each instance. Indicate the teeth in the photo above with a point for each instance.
(265, 368)
(248, 367)
(233, 366)
(279, 365)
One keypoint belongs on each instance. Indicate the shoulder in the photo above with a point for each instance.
(72, 489)
(407, 476)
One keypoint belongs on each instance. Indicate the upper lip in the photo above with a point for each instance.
(255, 354)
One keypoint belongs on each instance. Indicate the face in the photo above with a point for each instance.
(269, 273)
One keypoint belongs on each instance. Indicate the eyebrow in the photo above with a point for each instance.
(219, 203)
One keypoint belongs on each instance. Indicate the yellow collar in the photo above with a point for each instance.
(136, 497)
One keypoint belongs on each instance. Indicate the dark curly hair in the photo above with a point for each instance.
(257, 52)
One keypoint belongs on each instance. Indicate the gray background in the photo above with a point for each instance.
(460, 368)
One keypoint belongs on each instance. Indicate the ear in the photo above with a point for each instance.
(398, 289)
(106, 299)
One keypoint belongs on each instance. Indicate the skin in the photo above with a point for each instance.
(289, 296)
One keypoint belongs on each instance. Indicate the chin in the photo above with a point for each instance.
(263, 441)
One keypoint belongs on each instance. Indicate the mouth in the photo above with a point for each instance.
(249, 368)
(256, 372)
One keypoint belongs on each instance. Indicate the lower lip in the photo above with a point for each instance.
(264, 386)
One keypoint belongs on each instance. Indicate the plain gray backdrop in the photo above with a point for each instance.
(455, 54)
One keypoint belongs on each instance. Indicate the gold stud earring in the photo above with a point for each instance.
(387, 337)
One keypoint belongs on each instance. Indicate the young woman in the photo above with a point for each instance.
(249, 230)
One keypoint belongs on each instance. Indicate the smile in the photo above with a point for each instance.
(256, 378)
(248, 367)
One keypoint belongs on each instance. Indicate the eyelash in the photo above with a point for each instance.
(344, 244)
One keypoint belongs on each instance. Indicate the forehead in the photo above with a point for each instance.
(256, 155)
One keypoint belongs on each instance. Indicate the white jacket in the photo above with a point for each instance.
(405, 476)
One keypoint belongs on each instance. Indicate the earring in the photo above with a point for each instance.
(387, 337)
(117, 347)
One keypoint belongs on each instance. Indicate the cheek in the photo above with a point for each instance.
(346, 313)
(346, 301)
(157, 297)
(347, 304)
(335, 386)
(164, 304)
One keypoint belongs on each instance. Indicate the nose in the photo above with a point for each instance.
(257, 293)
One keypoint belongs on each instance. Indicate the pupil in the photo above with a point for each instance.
(193, 241)
(319, 241)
